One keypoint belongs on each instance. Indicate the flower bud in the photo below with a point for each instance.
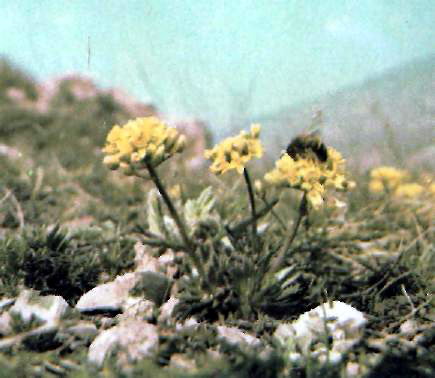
(259, 188)
(180, 144)
(255, 130)
(159, 156)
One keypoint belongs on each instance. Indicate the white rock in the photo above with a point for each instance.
(117, 295)
(83, 330)
(336, 324)
(108, 297)
(136, 307)
(189, 323)
(235, 336)
(181, 361)
(6, 302)
(167, 309)
(144, 260)
(5, 324)
(409, 327)
(47, 309)
(167, 258)
(136, 338)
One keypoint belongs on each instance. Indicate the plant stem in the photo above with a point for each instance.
(246, 222)
(301, 214)
(173, 211)
(253, 210)
(277, 217)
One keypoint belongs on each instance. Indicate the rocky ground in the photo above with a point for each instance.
(89, 288)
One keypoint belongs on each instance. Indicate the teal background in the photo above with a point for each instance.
(218, 60)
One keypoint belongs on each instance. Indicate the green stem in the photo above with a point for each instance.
(246, 222)
(253, 210)
(282, 253)
(273, 212)
(172, 210)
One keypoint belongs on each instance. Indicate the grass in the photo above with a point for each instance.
(68, 224)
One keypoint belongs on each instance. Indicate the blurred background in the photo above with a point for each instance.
(361, 71)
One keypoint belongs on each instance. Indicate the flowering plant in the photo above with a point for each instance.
(235, 152)
(310, 175)
(139, 142)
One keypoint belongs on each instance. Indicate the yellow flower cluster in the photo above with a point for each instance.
(141, 140)
(235, 152)
(409, 190)
(310, 175)
(386, 179)
(395, 181)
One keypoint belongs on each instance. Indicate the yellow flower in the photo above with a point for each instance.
(410, 190)
(141, 140)
(235, 152)
(310, 175)
(386, 179)
(376, 186)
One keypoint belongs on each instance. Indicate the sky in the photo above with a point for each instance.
(222, 61)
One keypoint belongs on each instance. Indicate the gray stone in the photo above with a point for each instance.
(83, 330)
(47, 309)
(306, 336)
(108, 297)
(167, 309)
(6, 302)
(134, 339)
(5, 324)
(190, 323)
(116, 296)
(235, 336)
(136, 307)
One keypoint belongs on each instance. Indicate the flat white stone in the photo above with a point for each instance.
(167, 309)
(108, 297)
(83, 329)
(115, 296)
(235, 336)
(307, 336)
(6, 302)
(136, 338)
(47, 309)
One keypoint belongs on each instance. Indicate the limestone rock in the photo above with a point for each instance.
(83, 330)
(167, 309)
(47, 309)
(138, 308)
(336, 324)
(5, 324)
(5, 303)
(108, 297)
(135, 339)
(118, 295)
(235, 336)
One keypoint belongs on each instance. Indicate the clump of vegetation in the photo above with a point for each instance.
(239, 272)
(13, 77)
(55, 263)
